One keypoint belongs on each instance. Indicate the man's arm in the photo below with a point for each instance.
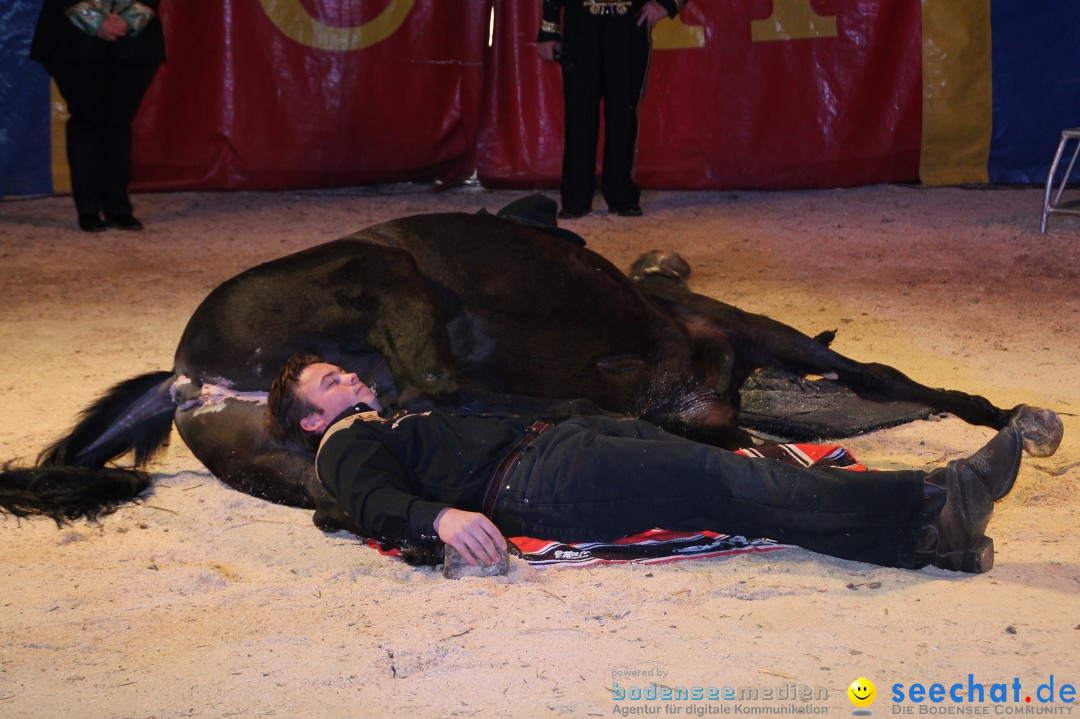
(548, 39)
(656, 10)
(373, 488)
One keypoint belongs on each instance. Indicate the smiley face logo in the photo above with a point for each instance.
(862, 692)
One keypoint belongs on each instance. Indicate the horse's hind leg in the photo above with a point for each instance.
(761, 341)
(779, 345)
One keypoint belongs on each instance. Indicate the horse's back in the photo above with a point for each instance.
(423, 305)
(513, 303)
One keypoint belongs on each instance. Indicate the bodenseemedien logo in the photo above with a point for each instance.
(862, 694)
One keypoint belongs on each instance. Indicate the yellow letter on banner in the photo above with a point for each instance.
(673, 34)
(792, 20)
(296, 23)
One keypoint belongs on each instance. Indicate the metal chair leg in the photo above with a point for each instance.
(1052, 200)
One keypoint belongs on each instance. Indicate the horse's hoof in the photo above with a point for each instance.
(667, 264)
(1041, 429)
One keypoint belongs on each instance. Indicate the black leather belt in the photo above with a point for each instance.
(491, 494)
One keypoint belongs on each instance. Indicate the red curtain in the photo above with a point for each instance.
(393, 95)
(275, 94)
(800, 93)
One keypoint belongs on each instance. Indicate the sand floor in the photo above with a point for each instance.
(204, 602)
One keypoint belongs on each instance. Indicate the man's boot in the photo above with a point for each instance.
(955, 539)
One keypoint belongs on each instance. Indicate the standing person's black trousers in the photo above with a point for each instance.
(102, 81)
(102, 100)
(604, 57)
(593, 479)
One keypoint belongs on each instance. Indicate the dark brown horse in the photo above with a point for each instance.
(451, 309)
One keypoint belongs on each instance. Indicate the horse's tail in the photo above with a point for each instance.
(70, 480)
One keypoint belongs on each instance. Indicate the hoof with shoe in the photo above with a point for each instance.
(1040, 428)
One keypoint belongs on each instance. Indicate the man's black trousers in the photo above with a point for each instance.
(599, 479)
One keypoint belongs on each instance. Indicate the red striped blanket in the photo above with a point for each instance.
(658, 545)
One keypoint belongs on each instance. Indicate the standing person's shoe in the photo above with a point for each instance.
(957, 539)
(627, 210)
(567, 213)
(125, 222)
(91, 222)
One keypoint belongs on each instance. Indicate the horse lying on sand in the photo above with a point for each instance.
(447, 309)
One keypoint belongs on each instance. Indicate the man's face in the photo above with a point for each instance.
(332, 390)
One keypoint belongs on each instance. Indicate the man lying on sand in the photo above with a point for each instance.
(472, 479)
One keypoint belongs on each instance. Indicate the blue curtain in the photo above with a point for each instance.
(1036, 80)
(25, 152)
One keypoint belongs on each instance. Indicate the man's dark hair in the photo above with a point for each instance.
(285, 407)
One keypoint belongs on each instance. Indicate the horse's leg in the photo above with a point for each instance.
(759, 341)
(765, 342)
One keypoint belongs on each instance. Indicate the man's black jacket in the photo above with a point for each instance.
(394, 476)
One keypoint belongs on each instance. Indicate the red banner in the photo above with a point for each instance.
(268, 94)
(273, 94)
(741, 94)
(520, 142)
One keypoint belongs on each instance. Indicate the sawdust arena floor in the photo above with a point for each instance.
(205, 602)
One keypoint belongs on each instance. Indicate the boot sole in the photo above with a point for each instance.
(976, 558)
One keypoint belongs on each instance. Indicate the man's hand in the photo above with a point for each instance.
(472, 534)
(114, 27)
(652, 13)
(548, 49)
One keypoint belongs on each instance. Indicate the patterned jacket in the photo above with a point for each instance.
(551, 12)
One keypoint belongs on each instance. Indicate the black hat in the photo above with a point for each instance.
(539, 211)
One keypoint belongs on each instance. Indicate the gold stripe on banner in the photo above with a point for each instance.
(58, 117)
(293, 19)
(957, 92)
